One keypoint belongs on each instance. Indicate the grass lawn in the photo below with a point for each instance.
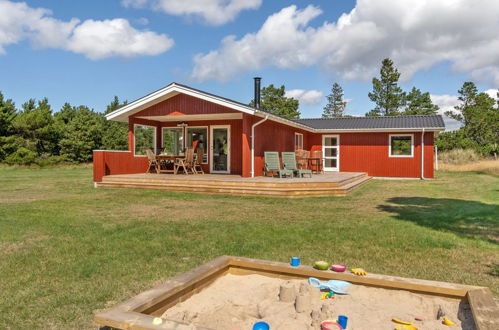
(67, 249)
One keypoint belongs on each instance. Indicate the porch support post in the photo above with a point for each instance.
(130, 134)
(158, 136)
(245, 146)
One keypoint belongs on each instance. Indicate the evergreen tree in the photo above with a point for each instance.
(419, 103)
(8, 113)
(467, 96)
(387, 95)
(82, 135)
(274, 101)
(336, 105)
(115, 135)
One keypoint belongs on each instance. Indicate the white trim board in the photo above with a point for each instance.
(400, 156)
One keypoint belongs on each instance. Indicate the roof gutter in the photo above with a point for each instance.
(253, 144)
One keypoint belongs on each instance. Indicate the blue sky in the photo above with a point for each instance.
(85, 52)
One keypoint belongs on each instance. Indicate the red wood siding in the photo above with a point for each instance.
(117, 162)
(272, 136)
(368, 152)
(184, 104)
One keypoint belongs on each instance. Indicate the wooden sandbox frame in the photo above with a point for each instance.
(139, 311)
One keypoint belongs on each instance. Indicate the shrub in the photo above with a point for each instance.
(459, 156)
(21, 156)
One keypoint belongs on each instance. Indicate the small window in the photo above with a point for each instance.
(298, 141)
(197, 137)
(173, 140)
(401, 145)
(145, 138)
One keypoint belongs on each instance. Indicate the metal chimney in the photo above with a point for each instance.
(257, 92)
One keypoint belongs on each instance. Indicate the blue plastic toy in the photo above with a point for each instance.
(261, 326)
(332, 285)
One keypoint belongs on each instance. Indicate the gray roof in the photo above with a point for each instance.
(386, 122)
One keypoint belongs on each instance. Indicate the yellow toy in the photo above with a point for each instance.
(400, 321)
(359, 271)
(446, 321)
(405, 327)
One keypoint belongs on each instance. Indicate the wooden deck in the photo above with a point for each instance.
(330, 184)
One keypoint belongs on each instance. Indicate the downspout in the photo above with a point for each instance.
(253, 144)
(422, 155)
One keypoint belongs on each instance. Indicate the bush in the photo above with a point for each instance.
(21, 156)
(459, 156)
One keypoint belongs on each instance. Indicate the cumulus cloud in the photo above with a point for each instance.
(416, 34)
(304, 96)
(94, 39)
(215, 12)
(446, 103)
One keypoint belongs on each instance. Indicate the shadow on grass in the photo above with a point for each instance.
(466, 218)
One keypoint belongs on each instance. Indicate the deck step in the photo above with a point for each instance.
(241, 189)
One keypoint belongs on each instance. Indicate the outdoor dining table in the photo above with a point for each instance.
(171, 158)
(315, 164)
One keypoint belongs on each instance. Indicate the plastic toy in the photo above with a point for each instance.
(295, 261)
(332, 285)
(327, 295)
(400, 321)
(405, 327)
(157, 321)
(338, 268)
(330, 325)
(359, 271)
(261, 326)
(321, 265)
(343, 320)
(446, 321)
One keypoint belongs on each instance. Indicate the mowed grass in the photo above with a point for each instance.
(67, 249)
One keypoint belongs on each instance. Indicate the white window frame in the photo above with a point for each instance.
(331, 169)
(154, 139)
(228, 148)
(300, 138)
(172, 127)
(207, 143)
(390, 146)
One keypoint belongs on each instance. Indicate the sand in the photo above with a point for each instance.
(237, 302)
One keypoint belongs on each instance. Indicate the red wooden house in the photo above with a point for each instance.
(234, 137)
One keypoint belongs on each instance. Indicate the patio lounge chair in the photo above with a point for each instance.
(289, 162)
(272, 165)
(153, 162)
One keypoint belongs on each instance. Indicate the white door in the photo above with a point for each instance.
(331, 152)
(220, 149)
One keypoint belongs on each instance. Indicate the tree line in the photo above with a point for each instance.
(34, 134)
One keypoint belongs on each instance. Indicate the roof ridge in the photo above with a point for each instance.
(368, 117)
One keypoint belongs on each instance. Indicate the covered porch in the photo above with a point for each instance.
(328, 184)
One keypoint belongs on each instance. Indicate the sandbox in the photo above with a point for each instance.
(234, 293)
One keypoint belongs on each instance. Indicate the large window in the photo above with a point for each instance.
(144, 138)
(401, 145)
(197, 137)
(173, 140)
(298, 141)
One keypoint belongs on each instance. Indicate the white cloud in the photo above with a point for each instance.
(446, 103)
(416, 34)
(94, 39)
(215, 12)
(304, 96)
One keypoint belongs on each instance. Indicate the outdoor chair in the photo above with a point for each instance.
(153, 162)
(302, 158)
(186, 163)
(272, 165)
(198, 167)
(289, 162)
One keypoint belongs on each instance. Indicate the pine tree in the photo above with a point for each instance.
(274, 101)
(386, 94)
(115, 133)
(336, 105)
(419, 103)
